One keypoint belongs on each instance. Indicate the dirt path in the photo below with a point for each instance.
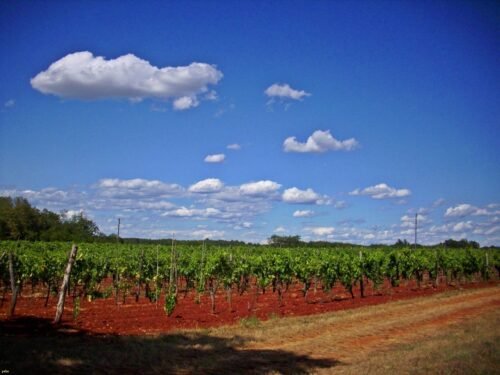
(354, 336)
(389, 322)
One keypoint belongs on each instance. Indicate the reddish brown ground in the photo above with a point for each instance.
(103, 316)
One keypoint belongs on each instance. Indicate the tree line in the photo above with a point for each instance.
(19, 220)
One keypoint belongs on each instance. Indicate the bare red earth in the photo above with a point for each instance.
(104, 316)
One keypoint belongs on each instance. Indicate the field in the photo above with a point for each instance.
(450, 332)
(251, 310)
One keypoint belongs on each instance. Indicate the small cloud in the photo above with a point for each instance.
(234, 147)
(321, 231)
(211, 95)
(284, 91)
(244, 225)
(340, 205)
(223, 110)
(185, 102)
(303, 213)
(216, 158)
(309, 196)
(280, 229)
(209, 185)
(408, 221)
(193, 212)
(462, 226)
(205, 233)
(117, 188)
(465, 209)
(319, 141)
(158, 108)
(382, 191)
(9, 103)
(438, 202)
(259, 188)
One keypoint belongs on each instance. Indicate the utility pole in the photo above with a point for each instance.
(118, 234)
(415, 244)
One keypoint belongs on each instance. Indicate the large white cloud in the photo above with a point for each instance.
(295, 195)
(284, 91)
(259, 188)
(82, 75)
(216, 158)
(382, 191)
(209, 185)
(319, 141)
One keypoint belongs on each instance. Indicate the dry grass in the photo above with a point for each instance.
(471, 347)
(454, 332)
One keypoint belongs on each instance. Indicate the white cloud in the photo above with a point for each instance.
(234, 146)
(460, 210)
(50, 196)
(284, 91)
(156, 209)
(340, 205)
(295, 195)
(465, 209)
(243, 225)
(492, 230)
(408, 221)
(117, 188)
(319, 141)
(81, 75)
(280, 229)
(321, 231)
(185, 102)
(211, 95)
(382, 191)
(216, 158)
(438, 202)
(192, 212)
(9, 103)
(462, 226)
(259, 188)
(303, 213)
(209, 185)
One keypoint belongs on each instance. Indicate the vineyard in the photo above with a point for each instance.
(159, 275)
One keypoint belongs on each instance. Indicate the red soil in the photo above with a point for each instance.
(103, 316)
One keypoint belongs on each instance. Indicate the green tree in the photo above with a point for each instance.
(284, 241)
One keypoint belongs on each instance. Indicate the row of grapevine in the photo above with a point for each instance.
(154, 271)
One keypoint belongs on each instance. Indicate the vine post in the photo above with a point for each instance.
(156, 279)
(64, 286)
(13, 285)
(361, 276)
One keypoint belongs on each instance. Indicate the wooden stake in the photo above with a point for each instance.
(64, 286)
(13, 286)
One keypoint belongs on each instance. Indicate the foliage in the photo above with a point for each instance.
(461, 244)
(20, 221)
(284, 241)
(161, 271)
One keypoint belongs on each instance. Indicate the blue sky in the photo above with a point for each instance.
(238, 120)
